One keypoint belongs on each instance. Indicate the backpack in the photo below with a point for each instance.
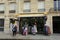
(13, 29)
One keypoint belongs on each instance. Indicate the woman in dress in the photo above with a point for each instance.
(34, 29)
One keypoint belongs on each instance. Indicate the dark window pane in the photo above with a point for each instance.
(55, 9)
(55, 5)
(41, 0)
(55, 0)
(1, 11)
(1, 29)
(27, 10)
(58, 0)
(41, 10)
(12, 11)
(59, 5)
(1, 24)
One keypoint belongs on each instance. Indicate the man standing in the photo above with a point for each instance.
(14, 30)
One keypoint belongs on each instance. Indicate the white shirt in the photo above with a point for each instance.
(11, 26)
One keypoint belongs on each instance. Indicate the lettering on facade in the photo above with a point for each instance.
(9, 15)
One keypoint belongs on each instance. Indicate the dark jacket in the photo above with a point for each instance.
(14, 29)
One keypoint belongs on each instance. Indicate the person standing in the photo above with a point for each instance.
(25, 30)
(34, 29)
(14, 30)
(47, 30)
(11, 27)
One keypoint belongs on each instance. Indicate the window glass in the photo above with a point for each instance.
(26, 6)
(1, 24)
(2, 7)
(12, 6)
(41, 6)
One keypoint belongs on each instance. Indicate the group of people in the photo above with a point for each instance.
(25, 29)
(13, 28)
(47, 30)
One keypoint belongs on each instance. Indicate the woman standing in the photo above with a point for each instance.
(34, 29)
(25, 30)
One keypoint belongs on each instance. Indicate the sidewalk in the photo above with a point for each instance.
(38, 36)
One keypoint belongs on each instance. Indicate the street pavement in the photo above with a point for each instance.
(35, 37)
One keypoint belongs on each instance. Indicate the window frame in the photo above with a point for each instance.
(10, 7)
(40, 10)
(2, 27)
(3, 10)
(56, 5)
(29, 8)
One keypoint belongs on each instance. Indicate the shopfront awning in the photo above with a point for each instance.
(30, 14)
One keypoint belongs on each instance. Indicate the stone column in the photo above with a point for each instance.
(49, 23)
(6, 25)
(6, 21)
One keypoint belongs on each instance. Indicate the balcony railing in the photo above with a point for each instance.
(41, 10)
(27, 10)
(11, 0)
(1, 11)
(12, 11)
(54, 10)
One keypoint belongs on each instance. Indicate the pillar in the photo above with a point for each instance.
(49, 23)
(6, 25)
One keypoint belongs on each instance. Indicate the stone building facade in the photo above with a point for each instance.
(11, 9)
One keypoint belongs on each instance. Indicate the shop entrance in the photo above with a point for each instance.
(56, 24)
(31, 21)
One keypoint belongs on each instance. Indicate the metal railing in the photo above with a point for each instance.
(27, 10)
(12, 11)
(41, 10)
